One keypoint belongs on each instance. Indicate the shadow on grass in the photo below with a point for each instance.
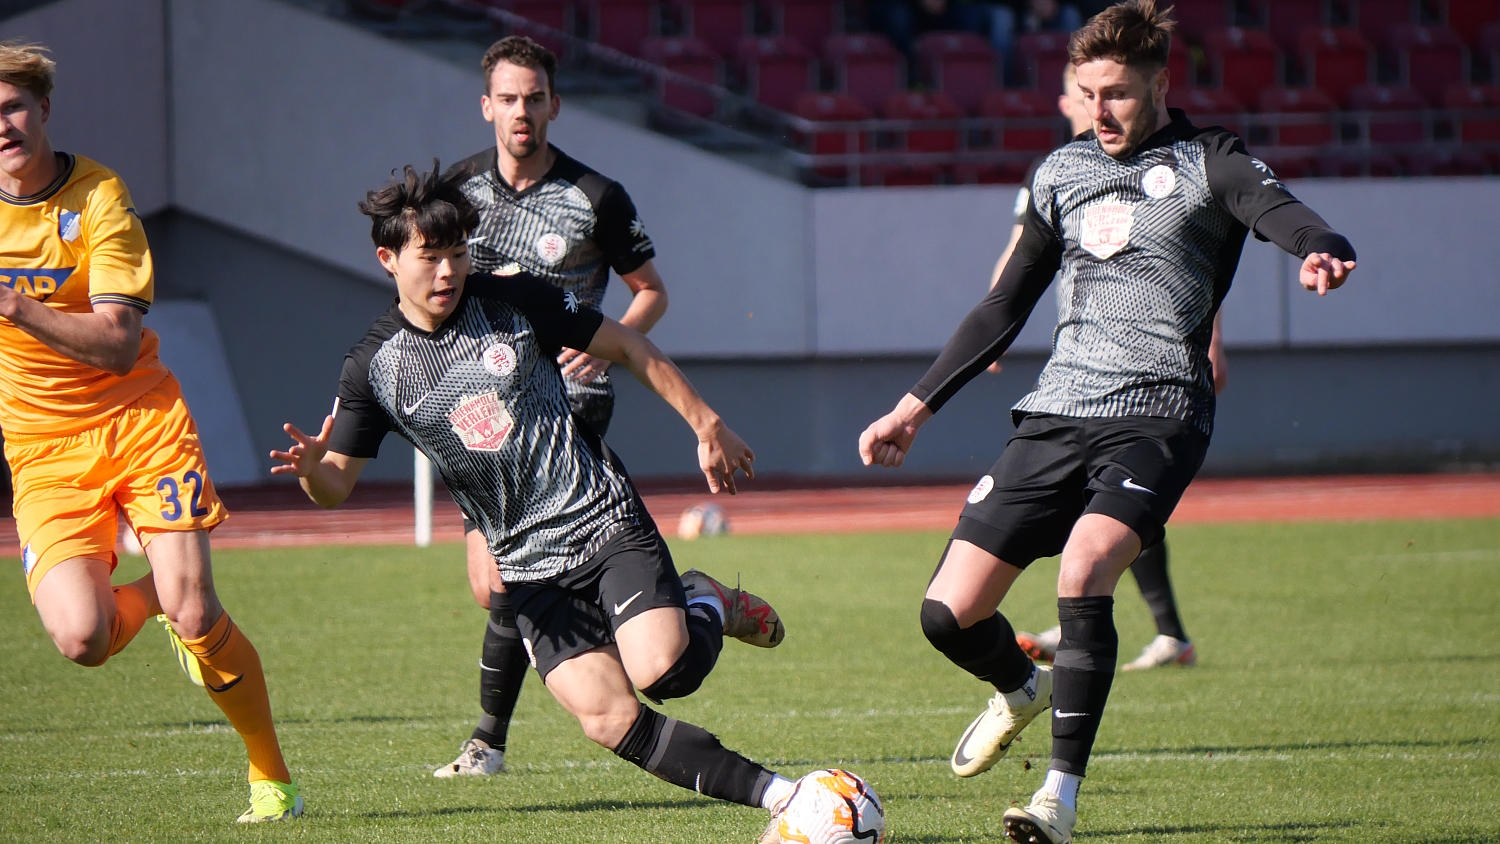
(583, 807)
(1288, 831)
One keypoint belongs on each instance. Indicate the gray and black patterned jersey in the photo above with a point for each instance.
(569, 229)
(483, 398)
(1146, 248)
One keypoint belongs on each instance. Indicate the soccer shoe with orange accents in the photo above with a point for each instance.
(1162, 651)
(1041, 647)
(272, 801)
(747, 617)
(990, 735)
(186, 660)
(1047, 820)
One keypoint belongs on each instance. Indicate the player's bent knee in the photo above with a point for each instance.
(88, 651)
(608, 728)
(938, 623)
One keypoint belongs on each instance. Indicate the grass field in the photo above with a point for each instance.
(1348, 691)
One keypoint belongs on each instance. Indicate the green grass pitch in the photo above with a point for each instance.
(1348, 690)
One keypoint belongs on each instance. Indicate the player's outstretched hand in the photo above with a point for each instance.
(305, 453)
(889, 438)
(720, 455)
(1323, 272)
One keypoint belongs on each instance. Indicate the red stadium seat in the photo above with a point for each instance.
(838, 131)
(1430, 57)
(1475, 112)
(1210, 107)
(550, 16)
(1336, 59)
(620, 24)
(962, 65)
(1039, 60)
(933, 118)
(1196, 17)
(1299, 117)
(719, 23)
(1391, 114)
(1284, 20)
(1374, 18)
(865, 66)
(1470, 17)
(688, 57)
(1242, 61)
(1028, 120)
(1181, 69)
(777, 69)
(808, 21)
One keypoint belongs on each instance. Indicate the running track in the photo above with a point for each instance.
(383, 514)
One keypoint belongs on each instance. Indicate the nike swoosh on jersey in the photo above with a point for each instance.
(620, 607)
(1129, 483)
(409, 409)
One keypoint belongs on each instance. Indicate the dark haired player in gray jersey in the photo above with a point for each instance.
(464, 366)
(1142, 220)
(1171, 645)
(544, 213)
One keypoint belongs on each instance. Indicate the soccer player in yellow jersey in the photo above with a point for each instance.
(95, 424)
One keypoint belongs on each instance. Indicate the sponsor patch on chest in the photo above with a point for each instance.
(481, 422)
(1106, 228)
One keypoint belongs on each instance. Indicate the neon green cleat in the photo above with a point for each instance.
(272, 801)
(185, 658)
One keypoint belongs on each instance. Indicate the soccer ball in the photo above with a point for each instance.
(832, 807)
(702, 520)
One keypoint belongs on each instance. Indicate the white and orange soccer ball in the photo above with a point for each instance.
(702, 520)
(832, 806)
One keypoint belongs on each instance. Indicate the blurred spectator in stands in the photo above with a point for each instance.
(904, 21)
(1011, 18)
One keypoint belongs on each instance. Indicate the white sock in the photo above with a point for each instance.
(1065, 786)
(1025, 695)
(777, 792)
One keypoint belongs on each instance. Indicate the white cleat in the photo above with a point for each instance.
(989, 737)
(1164, 650)
(1047, 820)
(475, 759)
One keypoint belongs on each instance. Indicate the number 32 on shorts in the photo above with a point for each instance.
(172, 492)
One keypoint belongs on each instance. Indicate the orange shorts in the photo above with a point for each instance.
(145, 460)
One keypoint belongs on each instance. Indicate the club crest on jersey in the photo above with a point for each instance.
(1159, 181)
(1106, 228)
(481, 422)
(551, 247)
(499, 360)
(69, 226)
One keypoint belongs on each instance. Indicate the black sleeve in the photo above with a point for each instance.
(993, 324)
(558, 318)
(359, 422)
(1300, 231)
(618, 231)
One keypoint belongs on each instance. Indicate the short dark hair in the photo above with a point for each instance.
(522, 52)
(415, 204)
(1134, 33)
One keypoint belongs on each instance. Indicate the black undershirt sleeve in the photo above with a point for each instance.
(989, 329)
(1300, 231)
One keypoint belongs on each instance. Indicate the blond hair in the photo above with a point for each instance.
(26, 66)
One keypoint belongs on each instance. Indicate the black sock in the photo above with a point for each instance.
(1150, 570)
(1081, 676)
(988, 650)
(691, 757)
(705, 640)
(502, 668)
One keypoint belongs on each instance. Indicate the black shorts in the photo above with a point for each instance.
(580, 609)
(1057, 468)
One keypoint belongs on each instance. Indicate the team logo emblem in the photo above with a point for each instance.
(481, 422)
(1106, 228)
(981, 490)
(570, 302)
(499, 360)
(1262, 167)
(1159, 181)
(551, 247)
(69, 226)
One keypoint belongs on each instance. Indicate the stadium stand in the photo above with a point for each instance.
(1242, 61)
(928, 128)
(808, 21)
(1389, 115)
(866, 66)
(836, 128)
(620, 24)
(776, 70)
(962, 65)
(1336, 59)
(688, 60)
(1209, 106)
(1469, 18)
(1428, 58)
(718, 23)
(1039, 60)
